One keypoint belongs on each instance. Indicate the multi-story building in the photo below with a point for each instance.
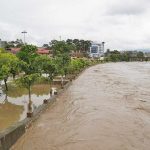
(96, 50)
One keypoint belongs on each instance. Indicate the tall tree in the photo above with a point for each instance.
(140, 54)
(27, 56)
(6, 63)
(46, 66)
(61, 53)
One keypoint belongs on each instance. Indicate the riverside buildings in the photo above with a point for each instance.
(96, 50)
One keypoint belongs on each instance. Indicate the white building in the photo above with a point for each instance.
(96, 50)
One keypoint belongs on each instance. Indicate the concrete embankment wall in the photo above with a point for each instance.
(10, 135)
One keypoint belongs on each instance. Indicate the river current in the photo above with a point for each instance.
(106, 108)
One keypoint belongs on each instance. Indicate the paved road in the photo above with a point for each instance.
(106, 108)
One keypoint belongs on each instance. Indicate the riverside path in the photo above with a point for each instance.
(106, 108)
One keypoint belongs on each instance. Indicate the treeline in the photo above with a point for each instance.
(11, 44)
(77, 44)
(116, 56)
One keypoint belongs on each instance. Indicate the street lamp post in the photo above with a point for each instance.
(103, 43)
(24, 32)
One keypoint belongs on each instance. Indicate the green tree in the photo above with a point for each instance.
(27, 56)
(27, 81)
(61, 53)
(114, 56)
(2, 50)
(46, 66)
(6, 64)
(140, 54)
(18, 43)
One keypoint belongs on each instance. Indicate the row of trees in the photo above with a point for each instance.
(116, 56)
(17, 43)
(80, 45)
(30, 66)
(76, 44)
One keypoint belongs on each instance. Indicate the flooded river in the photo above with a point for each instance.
(106, 108)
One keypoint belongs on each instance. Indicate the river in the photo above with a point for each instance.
(106, 108)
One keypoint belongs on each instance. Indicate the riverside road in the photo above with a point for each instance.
(106, 108)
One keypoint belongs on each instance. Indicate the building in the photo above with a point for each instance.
(40, 51)
(14, 50)
(96, 50)
(43, 51)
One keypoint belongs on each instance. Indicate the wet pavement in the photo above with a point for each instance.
(106, 108)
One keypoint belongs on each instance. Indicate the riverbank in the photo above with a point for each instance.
(107, 107)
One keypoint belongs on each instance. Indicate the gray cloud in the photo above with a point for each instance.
(123, 24)
(128, 7)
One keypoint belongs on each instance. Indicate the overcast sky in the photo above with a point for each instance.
(122, 24)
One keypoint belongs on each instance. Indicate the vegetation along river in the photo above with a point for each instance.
(106, 108)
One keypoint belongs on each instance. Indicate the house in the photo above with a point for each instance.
(40, 51)
(14, 50)
(96, 50)
(43, 51)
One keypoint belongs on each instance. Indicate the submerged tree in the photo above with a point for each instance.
(6, 64)
(61, 52)
(27, 81)
(27, 56)
(46, 66)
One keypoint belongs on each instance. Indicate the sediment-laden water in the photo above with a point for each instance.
(14, 104)
(106, 108)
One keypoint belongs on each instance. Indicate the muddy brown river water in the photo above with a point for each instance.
(106, 108)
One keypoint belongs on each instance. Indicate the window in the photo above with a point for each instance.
(94, 49)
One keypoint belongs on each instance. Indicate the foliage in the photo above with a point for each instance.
(61, 54)
(62, 62)
(27, 80)
(116, 56)
(27, 56)
(77, 64)
(60, 47)
(77, 45)
(7, 66)
(18, 43)
(46, 65)
(2, 50)
(81, 45)
(27, 53)
(140, 54)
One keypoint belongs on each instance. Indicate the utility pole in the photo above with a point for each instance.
(24, 32)
(103, 43)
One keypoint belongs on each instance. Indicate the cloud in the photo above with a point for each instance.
(128, 7)
(123, 24)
